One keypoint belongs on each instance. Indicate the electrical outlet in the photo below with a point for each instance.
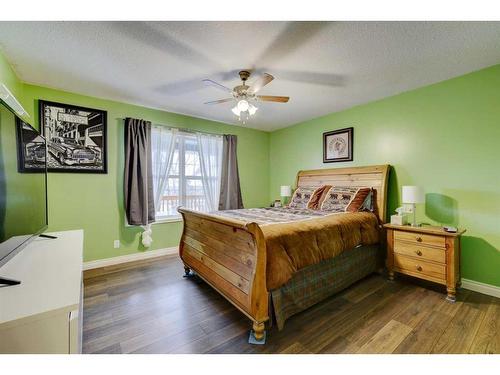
(116, 244)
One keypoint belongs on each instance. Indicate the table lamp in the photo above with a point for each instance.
(413, 195)
(285, 192)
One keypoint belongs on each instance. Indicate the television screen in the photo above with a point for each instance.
(23, 192)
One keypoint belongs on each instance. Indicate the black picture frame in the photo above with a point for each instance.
(70, 136)
(345, 135)
(31, 148)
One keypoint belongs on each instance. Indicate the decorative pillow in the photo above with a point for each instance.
(345, 199)
(362, 201)
(318, 196)
(303, 196)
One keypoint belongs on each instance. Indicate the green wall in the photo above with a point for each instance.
(94, 202)
(444, 137)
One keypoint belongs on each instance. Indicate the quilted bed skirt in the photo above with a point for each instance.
(320, 281)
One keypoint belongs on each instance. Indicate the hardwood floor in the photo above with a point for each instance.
(150, 308)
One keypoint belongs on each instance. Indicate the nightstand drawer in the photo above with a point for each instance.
(420, 252)
(419, 238)
(420, 267)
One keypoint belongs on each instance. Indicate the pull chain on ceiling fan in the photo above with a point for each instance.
(244, 95)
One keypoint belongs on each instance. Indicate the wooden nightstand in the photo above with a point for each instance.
(426, 252)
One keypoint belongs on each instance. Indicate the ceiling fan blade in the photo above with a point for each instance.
(260, 83)
(272, 98)
(313, 78)
(219, 101)
(217, 85)
(292, 36)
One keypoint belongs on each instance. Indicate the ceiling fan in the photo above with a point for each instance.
(244, 95)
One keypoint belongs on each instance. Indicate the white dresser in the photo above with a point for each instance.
(44, 313)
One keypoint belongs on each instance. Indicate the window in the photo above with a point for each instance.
(186, 171)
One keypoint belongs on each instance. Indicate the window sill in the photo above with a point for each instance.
(174, 219)
(165, 220)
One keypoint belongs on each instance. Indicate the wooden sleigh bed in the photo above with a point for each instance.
(231, 255)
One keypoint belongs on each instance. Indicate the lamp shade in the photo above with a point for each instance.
(286, 191)
(413, 194)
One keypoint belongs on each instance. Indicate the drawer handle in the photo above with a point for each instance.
(419, 253)
(419, 239)
(419, 268)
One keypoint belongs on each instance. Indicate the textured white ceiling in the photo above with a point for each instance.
(324, 67)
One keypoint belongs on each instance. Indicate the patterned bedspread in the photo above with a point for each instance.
(271, 215)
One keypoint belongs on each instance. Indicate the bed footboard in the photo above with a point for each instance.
(230, 256)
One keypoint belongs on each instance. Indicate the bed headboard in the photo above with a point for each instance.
(375, 176)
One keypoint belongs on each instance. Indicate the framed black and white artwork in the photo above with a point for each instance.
(30, 148)
(338, 145)
(76, 137)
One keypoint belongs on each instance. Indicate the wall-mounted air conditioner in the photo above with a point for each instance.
(8, 98)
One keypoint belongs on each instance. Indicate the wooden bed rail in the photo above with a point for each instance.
(230, 255)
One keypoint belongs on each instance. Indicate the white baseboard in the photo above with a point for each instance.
(129, 258)
(476, 286)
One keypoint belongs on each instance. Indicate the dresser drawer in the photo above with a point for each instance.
(419, 251)
(422, 239)
(420, 267)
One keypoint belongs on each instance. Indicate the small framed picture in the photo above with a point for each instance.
(30, 149)
(337, 145)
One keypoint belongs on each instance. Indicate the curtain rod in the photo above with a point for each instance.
(187, 130)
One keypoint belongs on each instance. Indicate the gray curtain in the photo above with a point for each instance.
(138, 184)
(230, 191)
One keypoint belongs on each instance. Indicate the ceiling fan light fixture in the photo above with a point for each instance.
(252, 109)
(243, 93)
(235, 110)
(243, 105)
